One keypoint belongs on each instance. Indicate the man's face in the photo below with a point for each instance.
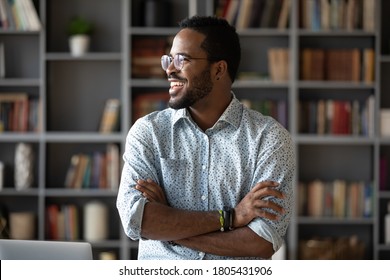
(192, 82)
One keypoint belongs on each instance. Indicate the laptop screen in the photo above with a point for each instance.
(11, 249)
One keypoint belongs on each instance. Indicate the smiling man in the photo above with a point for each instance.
(206, 178)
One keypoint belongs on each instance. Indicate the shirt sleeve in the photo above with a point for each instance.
(276, 162)
(138, 158)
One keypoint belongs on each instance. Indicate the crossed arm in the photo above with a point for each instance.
(199, 230)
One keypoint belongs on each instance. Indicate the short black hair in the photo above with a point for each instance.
(222, 41)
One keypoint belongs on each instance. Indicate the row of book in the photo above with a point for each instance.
(332, 248)
(110, 117)
(269, 107)
(148, 102)
(384, 170)
(337, 117)
(338, 198)
(19, 15)
(338, 64)
(255, 13)
(278, 64)
(62, 222)
(19, 112)
(99, 170)
(146, 55)
(337, 14)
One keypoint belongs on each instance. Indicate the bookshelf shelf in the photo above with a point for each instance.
(95, 137)
(334, 85)
(160, 31)
(333, 140)
(89, 56)
(86, 193)
(10, 191)
(20, 82)
(334, 221)
(336, 33)
(73, 91)
(260, 84)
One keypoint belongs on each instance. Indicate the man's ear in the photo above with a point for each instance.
(220, 69)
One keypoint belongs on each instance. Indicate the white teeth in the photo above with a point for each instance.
(177, 84)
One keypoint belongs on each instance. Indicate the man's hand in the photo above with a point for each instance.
(253, 204)
(151, 191)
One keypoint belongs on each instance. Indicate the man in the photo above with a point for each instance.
(206, 178)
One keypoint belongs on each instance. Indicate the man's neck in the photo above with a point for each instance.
(205, 114)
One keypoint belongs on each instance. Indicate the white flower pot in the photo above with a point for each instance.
(79, 45)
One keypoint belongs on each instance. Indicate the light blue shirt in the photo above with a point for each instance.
(205, 170)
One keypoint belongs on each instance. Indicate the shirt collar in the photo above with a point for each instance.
(232, 114)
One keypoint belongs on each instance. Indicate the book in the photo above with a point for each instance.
(278, 64)
(146, 103)
(31, 15)
(110, 117)
(315, 199)
(283, 21)
(1, 175)
(232, 11)
(146, 56)
(80, 171)
(2, 61)
(368, 15)
(14, 111)
(368, 65)
(243, 17)
(112, 166)
(71, 172)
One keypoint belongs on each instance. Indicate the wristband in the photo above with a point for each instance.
(228, 218)
(231, 219)
(222, 219)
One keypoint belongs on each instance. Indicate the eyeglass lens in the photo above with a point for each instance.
(166, 60)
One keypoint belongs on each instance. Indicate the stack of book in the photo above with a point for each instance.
(268, 107)
(353, 65)
(18, 112)
(337, 14)
(62, 222)
(338, 198)
(337, 117)
(19, 15)
(255, 13)
(146, 103)
(146, 57)
(97, 171)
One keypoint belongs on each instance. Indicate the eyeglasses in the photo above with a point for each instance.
(178, 61)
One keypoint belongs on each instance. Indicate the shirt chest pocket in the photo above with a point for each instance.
(174, 174)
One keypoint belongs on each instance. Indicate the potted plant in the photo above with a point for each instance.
(79, 31)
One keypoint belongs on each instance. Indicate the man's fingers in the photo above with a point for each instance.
(265, 184)
(266, 204)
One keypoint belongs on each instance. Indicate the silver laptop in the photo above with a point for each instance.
(12, 249)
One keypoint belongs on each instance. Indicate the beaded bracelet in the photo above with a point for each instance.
(222, 219)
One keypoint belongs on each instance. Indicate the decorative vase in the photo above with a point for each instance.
(79, 44)
(22, 225)
(95, 221)
(24, 165)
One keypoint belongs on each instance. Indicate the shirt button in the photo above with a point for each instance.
(203, 197)
(203, 167)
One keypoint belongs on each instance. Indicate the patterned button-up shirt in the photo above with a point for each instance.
(205, 170)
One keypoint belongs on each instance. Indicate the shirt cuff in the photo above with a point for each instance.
(262, 229)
